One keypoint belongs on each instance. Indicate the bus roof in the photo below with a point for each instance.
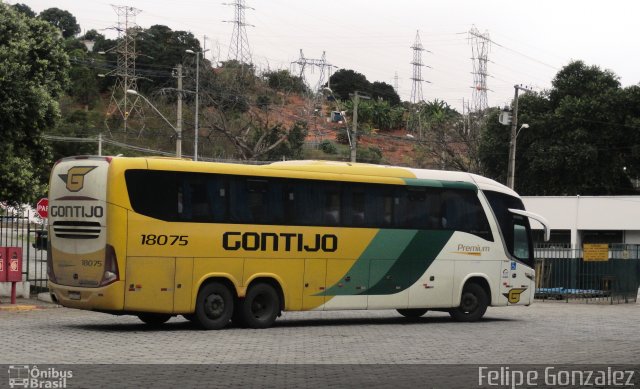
(393, 171)
(333, 168)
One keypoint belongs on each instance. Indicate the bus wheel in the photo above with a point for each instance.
(154, 319)
(412, 313)
(261, 306)
(214, 306)
(473, 304)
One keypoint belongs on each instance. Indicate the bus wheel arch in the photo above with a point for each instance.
(475, 297)
(214, 303)
(261, 305)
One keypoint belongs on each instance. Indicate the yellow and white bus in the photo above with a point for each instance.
(215, 242)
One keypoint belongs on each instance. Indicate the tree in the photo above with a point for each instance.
(283, 80)
(237, 107)
(346, 81)
(582, 136)
(448, 142)
(62, 20)
(161, 49)
(291, 148)
(32, 75)
(384, 91)
(25, 10)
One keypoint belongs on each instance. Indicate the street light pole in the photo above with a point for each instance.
(195, 136)
(195, 141)
(511, 179)
(178, 131)
(354, 143)
(179, 114)
(511, 168)
(512, 142)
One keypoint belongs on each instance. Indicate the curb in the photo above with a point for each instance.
(18, 307)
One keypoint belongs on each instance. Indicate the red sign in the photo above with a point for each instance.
(43, 207)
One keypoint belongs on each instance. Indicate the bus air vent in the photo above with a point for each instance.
(76, 229)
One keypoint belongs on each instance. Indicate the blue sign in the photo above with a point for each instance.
(513, 265)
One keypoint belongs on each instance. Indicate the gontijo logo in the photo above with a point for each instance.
(75, 177)
(514, 295)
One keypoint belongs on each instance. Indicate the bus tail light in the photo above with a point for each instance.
(111, 273)
(50, 273)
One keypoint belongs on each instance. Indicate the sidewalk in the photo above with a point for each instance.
(41, 301)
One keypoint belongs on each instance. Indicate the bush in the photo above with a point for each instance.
(328, 147)
(342, 137)
(371, 154)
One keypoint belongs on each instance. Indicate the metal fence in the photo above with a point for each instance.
(562, 273)
(22, 228)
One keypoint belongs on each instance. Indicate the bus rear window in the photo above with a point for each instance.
(154, 193)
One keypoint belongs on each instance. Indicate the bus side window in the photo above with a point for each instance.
(217, 197)
(417, 207)
(306, 202)
(387, 218)
(198, 202)
(463, 212)
(358, 208)
(276, 202)
(400, 208)
(257, 200)
(331, 207)
(433, 205)
(238, 200)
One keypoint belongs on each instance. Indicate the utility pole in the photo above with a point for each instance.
(100, 144)
(179, 114)
(354, 140)
(511, 169)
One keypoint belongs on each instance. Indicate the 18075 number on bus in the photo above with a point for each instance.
(164, 240)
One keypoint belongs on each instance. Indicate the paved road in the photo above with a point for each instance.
(548, 332)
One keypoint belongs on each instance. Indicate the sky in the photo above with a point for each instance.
(531, 40)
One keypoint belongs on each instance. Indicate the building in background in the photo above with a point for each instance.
(577, 220)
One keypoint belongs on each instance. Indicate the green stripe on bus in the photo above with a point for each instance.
(440, 184)
(412, 263)
(385, 245)
(393, 261)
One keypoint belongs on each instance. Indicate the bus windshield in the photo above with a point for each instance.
(515, 228)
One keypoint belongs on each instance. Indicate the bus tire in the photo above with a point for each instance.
(412, 313)
(473, 304)
(154, 319)
(260, 307)
(214, 306)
